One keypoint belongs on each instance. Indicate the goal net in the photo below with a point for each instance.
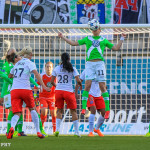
(128, 73)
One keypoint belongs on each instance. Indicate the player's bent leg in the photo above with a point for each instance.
(35, 119)
(58, 121)
(100, 122)
(75, 122)
(43, 115)
(105, 95)
(91, 120)
(20, 125)
(85, 93)
(14, 121)
(10, 115)
(53, 114)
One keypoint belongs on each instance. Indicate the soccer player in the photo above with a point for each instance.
(6, 90)
(64, 91)
(21, 90)
(95, 102)
(95, 66)
(47, 98)
(13, 58)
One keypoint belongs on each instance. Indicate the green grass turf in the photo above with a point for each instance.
(75, 143)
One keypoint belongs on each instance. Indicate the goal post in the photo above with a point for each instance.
(127, 70)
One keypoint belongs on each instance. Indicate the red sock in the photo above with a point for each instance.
(43, 119)
(54, 123)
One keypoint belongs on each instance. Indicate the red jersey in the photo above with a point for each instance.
(43, 93)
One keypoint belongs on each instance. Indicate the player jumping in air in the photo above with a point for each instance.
(95, 66)
(95, 102)
(64, 91)
(21, 90)
(47, 99)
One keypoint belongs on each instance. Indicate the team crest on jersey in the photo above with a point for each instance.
(49, 84)
(95, 43)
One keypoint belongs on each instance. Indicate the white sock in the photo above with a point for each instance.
(58, 122)
(76, 126)
(99, 122)
(14, 121)
(91, 122)
(35, 120)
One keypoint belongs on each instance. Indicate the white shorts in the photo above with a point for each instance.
(95, 71)
(7, 101)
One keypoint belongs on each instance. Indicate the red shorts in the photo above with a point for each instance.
(20, 95)
(44, 103)
(96, 101)
(66, 96)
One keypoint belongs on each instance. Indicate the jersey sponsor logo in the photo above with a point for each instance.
(49, 84)
(96, 43)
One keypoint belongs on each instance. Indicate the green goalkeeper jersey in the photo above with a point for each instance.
(95, 46)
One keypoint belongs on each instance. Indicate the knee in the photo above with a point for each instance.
(103, 113)
(103, 88)
(93, 110)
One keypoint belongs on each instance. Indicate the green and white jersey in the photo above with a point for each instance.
(6, 69)
(95, 46)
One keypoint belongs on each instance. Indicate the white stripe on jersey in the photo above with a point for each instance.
(95, 90)
(22, 72)
(64, 78)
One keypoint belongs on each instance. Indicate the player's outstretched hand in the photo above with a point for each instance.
(60, 35)
(47, 89)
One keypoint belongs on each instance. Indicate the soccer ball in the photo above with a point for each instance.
(93, 24)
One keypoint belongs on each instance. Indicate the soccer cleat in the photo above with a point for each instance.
(98, 132)
(91, 134)
(22, 134)
(83, 111)
(10, 133)
(77, 134)
(40, 135)
(43, 132)
(56, 133)
(147, 134)
(107, 115)
(15, 134)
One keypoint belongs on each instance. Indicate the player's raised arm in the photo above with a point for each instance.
(73, 43)
(117, 46)
(79, 82)
(76, 90)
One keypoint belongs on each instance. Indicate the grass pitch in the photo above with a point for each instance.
(75, 143)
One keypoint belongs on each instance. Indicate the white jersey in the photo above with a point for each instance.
(95, 90)
(22, 73)
(64, 78)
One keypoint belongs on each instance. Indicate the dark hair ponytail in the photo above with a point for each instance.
(11, 58)
(65, 58)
